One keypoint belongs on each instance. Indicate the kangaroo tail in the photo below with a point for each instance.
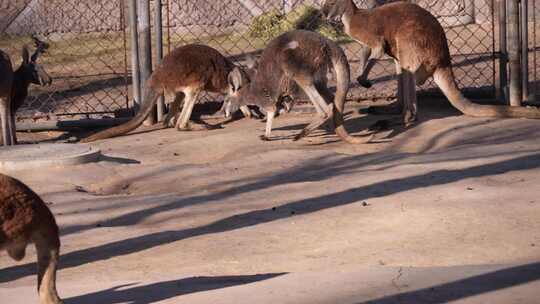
(341, 66)
(444, 78)
(150, 98)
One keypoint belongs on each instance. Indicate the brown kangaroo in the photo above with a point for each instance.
(296, 59)
(6, 82)
(184, 73)
(416, 40)
(14, 86)
(24, 218)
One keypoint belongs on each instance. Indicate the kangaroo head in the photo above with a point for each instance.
(333, 10)
(31, 70)
(239, 87)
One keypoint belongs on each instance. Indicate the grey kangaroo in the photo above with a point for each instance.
(14, 86)
(184, 73)
(24, 218)
(416, 40)
(296, 59)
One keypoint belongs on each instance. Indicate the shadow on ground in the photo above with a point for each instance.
(257, 217)
(156, 292)
(468, 287)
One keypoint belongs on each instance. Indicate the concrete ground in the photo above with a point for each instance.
(446, 211)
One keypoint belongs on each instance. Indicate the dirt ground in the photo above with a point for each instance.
(446, 211)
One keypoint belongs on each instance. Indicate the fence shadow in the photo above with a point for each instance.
(262, 216)
(156, 292)
(468, 287)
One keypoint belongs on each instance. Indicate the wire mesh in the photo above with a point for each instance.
(237, 27)
(86, 57)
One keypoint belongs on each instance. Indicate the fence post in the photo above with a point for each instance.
(514, 55)
(525, 48)
(503, 59)
(135, 72)
(145, 42)
(159, 52)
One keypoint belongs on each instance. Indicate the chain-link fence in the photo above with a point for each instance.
(89, 58)
(236, 27)
(86, 56)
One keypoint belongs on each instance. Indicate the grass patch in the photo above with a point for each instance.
(304, 17)
(68, 50)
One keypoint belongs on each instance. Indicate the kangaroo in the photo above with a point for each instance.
(296, 59)
(24, 218)
(14, 86)
(417, 42)
(6, 83)
(185, 73)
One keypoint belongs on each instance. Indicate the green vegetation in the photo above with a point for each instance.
(273, 23)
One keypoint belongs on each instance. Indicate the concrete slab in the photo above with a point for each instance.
(21, 157)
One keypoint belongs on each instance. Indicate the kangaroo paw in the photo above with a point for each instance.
(199, 127)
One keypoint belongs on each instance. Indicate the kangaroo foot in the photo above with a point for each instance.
(409, 119)
(196, 126)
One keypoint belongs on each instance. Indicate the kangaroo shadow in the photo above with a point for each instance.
(156, 292)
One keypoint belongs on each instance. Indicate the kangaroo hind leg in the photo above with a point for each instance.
(172, 116)
(410, 107)
(48, 251)
(366, 64)
(5, 116)
(318, 101)
(183, 121)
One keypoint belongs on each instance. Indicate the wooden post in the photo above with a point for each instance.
(514, 53)
(135, 72)
(159, 53)
(145, 51)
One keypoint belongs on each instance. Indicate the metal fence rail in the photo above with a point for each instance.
(89, 57)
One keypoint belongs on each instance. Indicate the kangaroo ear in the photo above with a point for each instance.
(251, 62)
(371, 4)
(235, 79)
(25, 55)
